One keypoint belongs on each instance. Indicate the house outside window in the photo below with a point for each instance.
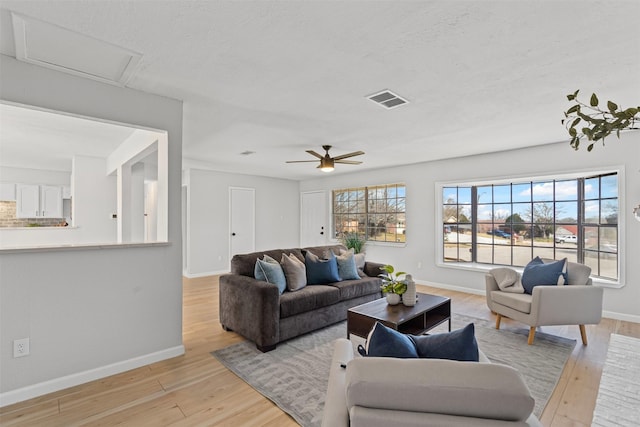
(509, 223)
(375, 212)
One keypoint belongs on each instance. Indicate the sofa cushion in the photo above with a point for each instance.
(383, 341)
(350, 289)
(244, 264)
(269, 270)
(578, 274)
(482, 390)
(459, 345)
(307, 299)
(538, 273)
(294, 271)
(519, 302)
(347, 269)
(321, 271)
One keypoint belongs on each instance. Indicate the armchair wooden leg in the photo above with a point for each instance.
(583, 334)
(532, 334)
(498, 319)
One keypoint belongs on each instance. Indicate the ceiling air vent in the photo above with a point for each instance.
(387, 99)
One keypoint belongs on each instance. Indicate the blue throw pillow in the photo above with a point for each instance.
(269, 270)
(456, 345)
(537, 273)
(347, 268)
(321, 271)
(386, 342)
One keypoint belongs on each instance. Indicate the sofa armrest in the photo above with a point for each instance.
(566, 305)
(470, 389)
(250, 307)
(372, 269)
(335, 406)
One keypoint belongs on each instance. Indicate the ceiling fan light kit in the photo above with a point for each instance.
(327, 163)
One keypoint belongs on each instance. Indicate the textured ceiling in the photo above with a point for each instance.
(279, 78)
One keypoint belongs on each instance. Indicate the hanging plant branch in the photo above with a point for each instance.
(595, 123)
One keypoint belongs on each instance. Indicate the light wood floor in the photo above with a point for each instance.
(196, 390)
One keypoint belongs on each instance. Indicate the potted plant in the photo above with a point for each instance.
(354, 241)
(392, 285)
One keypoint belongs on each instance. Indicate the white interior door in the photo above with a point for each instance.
(242, 220)
(314, 230)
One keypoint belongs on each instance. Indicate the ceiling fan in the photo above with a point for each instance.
(327, 162)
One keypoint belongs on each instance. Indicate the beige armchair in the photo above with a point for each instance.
(575, 303)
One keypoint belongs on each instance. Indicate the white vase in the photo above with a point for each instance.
(409, 297)
(393, 299)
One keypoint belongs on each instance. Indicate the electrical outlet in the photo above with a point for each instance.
(21, 347)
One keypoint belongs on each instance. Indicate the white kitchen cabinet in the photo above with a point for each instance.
(38, 201)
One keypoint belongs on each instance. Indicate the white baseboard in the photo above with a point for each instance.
(452, 287)
(35, 390)
(208, 273)
(621, 316)
(605, 313)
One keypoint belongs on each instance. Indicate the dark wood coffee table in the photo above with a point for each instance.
(429, 312)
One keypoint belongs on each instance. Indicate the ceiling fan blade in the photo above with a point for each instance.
(344, 156)
(347, 162)
(313, 153)
(301, 161)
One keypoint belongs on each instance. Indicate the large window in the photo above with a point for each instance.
(509, 223)
(376, 212)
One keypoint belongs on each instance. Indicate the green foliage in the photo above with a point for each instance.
(516, 223)
(391, 282)
(594, 122)
(354, 240)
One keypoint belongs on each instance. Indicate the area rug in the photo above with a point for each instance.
(618, 399)
(294, 375)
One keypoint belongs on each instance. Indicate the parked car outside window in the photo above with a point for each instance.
(567, 238)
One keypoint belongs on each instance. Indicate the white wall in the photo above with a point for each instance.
(34, 176)
(90, 313)
(277, 217)
(555, 158)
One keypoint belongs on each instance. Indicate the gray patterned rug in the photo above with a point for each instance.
(618, 402)
(294, 375)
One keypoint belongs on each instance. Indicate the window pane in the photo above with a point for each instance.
(567, 190)
(542, 212)
(464, 195)
(610, 211)
(502, 194)
(521, 255)
(567, 212)
(485, 194)
(609, 186)
(591, 188)
(449, 195)
(464, 213)
(501, 213)
(521, 192)
(485, 212)
(592, 212)
(485, 254)
(542, 191)
(543, 252)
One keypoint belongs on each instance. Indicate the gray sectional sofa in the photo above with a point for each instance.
(256, 310)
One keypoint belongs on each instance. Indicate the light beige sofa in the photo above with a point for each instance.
(578, 302)
(382, 392)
